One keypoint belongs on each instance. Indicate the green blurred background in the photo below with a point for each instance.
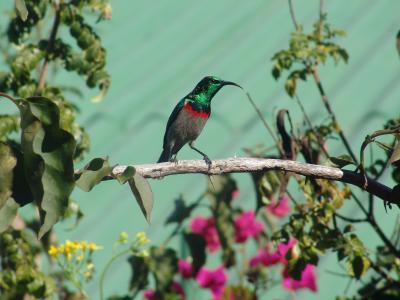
(158, 50)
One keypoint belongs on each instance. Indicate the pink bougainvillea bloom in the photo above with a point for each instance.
(308, 280)
(235, 193)
(185, 268)
(265, 257)
(206, 228)
(212, 279)
(246, 226)
(284, 248)
(279, 209)
(177, 288)
(149, 295)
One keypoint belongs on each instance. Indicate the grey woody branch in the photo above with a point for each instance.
(248, 165)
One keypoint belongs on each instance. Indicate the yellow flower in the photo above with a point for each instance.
(93, 247)
(61, 249)
(84, 244)
(143, 253)
(90, 266)
(142, 238)
(53, 251)
(123, 237)
(80, 257)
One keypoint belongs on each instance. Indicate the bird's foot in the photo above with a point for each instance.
(208, 161)
(174, 160)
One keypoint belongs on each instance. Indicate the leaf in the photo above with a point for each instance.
(144, 196)
(8, 162)
(276, 71)
(140, 271)
(341, 161)
(48, 158)
(127, 174)
(8, 213)
(290, 86)
(21, 8)
(359, 266)
(163, 263)
(197, 247)
(180, 212)
(92, 173)
(395, 154)
(21, 191)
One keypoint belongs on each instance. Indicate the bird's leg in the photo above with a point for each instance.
(205, 157)
(174, 159)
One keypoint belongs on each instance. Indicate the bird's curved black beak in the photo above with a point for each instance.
(231, 83)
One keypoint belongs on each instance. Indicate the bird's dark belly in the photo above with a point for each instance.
(186, 128)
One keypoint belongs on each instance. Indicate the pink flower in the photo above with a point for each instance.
(284, 248)
(206, 228)
(175, 287)
(149, 295)
(279, 209)
(308, 280)
(235, 193)
(247, 226)
(185, 268)
(213, 280)
(265, 257)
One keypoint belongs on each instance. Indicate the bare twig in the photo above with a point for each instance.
(331, 113)
(248, 165)
(53, 34)
(259, 113)
(292, 15)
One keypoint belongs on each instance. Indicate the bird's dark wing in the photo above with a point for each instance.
(173, 117)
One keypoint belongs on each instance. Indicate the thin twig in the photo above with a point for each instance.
(328, 107)
(263, 119)
(292, 15)
(50, 46)
(350, 220)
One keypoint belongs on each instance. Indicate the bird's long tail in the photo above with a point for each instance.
(164, 157)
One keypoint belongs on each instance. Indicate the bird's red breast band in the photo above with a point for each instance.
(194, 112)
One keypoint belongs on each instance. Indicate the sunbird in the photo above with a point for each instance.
(189, 117)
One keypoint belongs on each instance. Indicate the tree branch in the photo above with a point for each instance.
(52, 38)
(248, 165)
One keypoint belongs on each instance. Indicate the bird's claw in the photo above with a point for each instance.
(208, 161)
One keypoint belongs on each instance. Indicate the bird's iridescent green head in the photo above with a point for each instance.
(208, 87)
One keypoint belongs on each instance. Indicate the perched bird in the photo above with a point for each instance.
(189, 116)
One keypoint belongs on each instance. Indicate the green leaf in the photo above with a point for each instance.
(8, 213)
(127, 174)
(92, 173)
(144, 196)
(197, 247)
(180, 212)
(290, 86)
(276, 71)
(8, 162)
(359, 266)
(163, 263)
(395, 154)
(140, 271)
(48, 158)
(21, 8)
(341, 161)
